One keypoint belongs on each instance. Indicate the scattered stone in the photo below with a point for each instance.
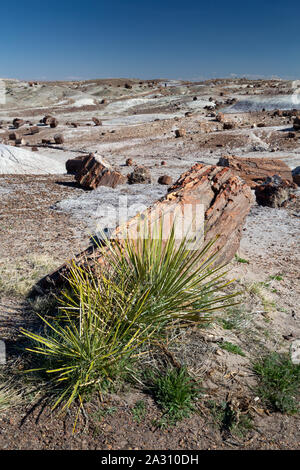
(140, 175)
(195, 98)
(296, 175)
(180, 133)
(165, 179)
(296, 123)
(34, 149)
(188, 114)
(95, 171)
(274, 192)
(255, 170)
(18, 123)
(129, 162)
(34, 130)
(53, 123)
(46, 141)
(228, 125)
(128, 86)
(74, 124)
(97, 121)
(13, 136)
(261, 124)
(220, 117)
(46, 120)
(163, 163)
(104, 101)
(59, 139)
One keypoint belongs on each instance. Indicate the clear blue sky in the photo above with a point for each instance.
(50, 39)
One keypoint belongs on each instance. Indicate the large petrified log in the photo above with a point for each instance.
(226, 201)
(95, 171)
(255, 170)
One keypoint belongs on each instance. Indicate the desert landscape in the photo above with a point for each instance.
(71, 152)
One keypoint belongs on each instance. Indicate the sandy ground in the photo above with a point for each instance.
(46, 219)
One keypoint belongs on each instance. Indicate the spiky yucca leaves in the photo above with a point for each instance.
(86, 349)
(181, 284)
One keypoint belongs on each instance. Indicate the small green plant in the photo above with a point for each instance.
(241, 260)
(175, 392)
(231, 419)
(103, 412)
(139, 411)
(276, 277)
(234, 318)
(232, 348)
(279, 382)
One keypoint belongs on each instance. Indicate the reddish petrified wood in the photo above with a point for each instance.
(255, 170)
(226, 200)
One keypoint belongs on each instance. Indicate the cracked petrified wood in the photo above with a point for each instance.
(95, 171)
(226, 200)
(255, 170)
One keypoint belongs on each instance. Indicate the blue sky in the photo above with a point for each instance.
(148, 39)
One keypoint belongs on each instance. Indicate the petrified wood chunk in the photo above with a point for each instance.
(274, 192)
(95, 171)
(255, 170)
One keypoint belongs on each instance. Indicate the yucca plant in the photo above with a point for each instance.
(178, 283)
(138, 290)
(87, 349)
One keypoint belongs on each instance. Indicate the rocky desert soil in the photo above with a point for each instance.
(47, 218)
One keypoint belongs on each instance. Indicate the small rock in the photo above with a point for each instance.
(53, 123)
(97, 121)
(140, 175)
(180, 133)
(59, 139)
(165, 179)
(228, 125)
(129, 162)
(296, 123)
(274, 192)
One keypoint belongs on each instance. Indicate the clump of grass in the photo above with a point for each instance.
(139, 411)
(276, 277)
(234, 318)
(139, 289)
(241, 260)
(232, 348)
(19, 278)
(279, 382)
(175, 392)
(9, 397)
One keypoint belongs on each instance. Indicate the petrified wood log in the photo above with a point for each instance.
(95, 171)
(226, 200)
(255, 170)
